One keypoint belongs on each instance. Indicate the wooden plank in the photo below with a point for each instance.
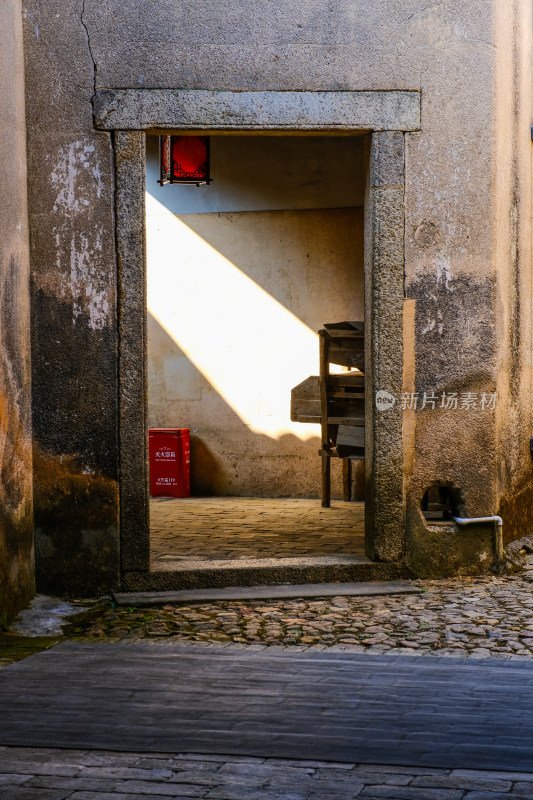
(345, 326)
(348, 379)
(305, 400)
(324, 372)
(347, 354)
(345, 334)
(274, 703)
(308, 389)
(357, 457)
(315, 420)
(346, 406)
(352, 435)
(345, 395)
(350, 441)
(355, 420)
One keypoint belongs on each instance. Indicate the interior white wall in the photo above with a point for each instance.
(237, 288)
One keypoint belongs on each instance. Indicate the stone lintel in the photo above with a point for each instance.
(200, 109)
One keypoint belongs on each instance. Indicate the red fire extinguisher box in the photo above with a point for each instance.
(169, 455)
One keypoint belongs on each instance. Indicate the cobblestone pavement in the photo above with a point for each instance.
(479, 618)
(240, 527)
(49, 774)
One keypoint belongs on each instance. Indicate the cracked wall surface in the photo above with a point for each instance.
(467, 231)
(16, 522)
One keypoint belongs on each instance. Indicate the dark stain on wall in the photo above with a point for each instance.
(17, 583)
(17, 580)
(516, 511)
(74, 384)
(455, 331)
(76, 450)
(76, 526)
(455, 336)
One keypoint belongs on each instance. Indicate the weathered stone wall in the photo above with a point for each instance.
(466, 210)
(468, 268)
(16, 523)
(73, 280)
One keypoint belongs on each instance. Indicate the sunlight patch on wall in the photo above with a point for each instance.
(249, 347)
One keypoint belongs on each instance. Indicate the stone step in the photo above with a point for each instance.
(140, 599)
(207, 574)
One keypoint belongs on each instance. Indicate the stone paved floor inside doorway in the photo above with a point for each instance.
(227, 528)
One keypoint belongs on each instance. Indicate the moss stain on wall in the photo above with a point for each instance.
(76, 524)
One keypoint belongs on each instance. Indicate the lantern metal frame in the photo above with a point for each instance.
(168, 140)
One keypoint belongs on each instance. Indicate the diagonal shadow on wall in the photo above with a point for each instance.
(288, 212)
(227, 457)
(236, 298)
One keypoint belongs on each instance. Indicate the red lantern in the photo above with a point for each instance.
(184, 159)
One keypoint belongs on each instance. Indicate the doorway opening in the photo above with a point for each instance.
(241, 276)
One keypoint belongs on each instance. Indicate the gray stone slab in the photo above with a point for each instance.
(277, 703)
(266, 592)
(198, 109)
(335, 570)
(298, 562)
(129, 149)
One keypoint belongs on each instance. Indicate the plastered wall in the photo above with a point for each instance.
(467, 262)
(16, 522)
(468, 269)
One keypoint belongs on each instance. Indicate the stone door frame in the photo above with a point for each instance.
(385, 117)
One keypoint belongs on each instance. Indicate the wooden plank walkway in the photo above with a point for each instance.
(280, 703)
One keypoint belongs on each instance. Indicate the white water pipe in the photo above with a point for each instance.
(499, 525)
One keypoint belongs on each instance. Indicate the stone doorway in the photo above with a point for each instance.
(241, 275)
(384, 116)
(202, 542)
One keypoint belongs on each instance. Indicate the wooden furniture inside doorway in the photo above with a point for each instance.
(342, 412)
(336, 401)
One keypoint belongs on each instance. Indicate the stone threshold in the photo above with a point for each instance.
(200, 575)
(250, 593)
(187, 563)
